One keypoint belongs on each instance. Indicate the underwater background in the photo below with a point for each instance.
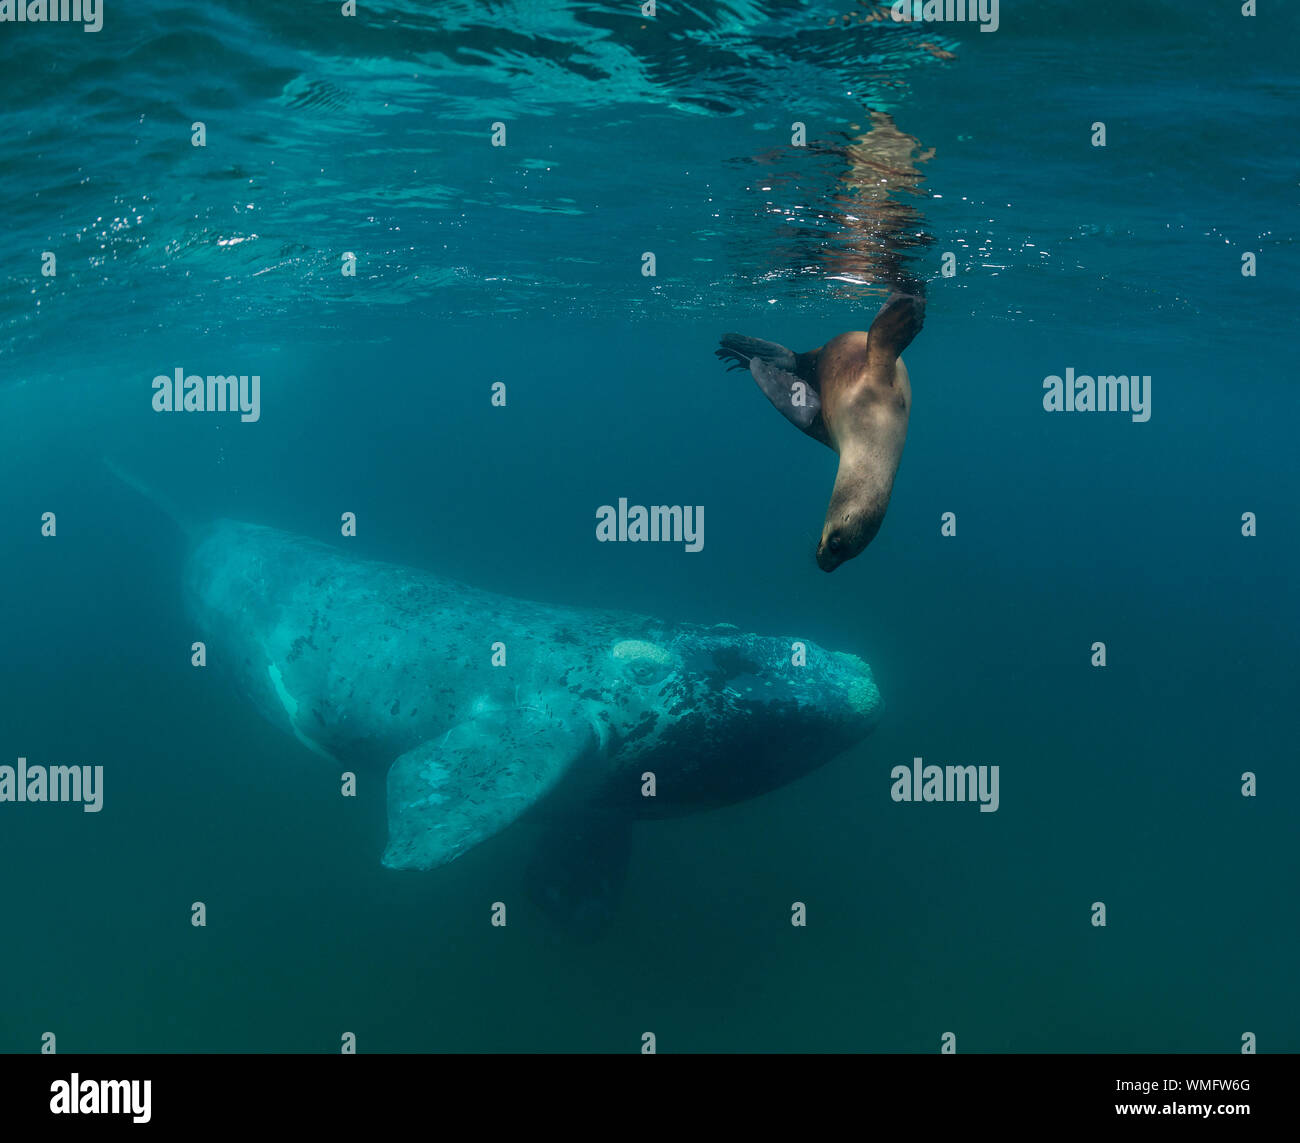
(476, 264)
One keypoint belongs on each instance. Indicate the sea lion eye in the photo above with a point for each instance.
(835, 543)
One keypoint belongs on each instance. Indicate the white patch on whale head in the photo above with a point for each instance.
(644, 662)
(863, 694)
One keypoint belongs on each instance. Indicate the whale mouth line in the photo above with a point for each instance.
(291, 706)
(598, 728)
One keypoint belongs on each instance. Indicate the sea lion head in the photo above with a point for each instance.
(843, 541)
(845, 535)
(857, 508)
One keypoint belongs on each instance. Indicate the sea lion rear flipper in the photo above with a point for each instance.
(788, 379)
(738, 351)
(898, 322)
(448, 794)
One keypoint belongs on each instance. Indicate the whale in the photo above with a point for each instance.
(484, 710)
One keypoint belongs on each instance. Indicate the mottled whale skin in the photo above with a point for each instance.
(374, 663)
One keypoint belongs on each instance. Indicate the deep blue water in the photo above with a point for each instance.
(522, 264)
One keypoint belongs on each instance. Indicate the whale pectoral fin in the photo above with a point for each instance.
(796, 399)
(898, 321)
(446, 796)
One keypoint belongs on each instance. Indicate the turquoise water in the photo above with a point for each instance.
(523, 264)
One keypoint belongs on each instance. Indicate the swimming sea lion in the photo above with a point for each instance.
(853, 395)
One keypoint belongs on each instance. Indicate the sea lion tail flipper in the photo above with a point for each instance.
(898, 322)
(451, 793)
(738, 351)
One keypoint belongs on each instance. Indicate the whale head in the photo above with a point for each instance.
(716, 715)
(719, 715)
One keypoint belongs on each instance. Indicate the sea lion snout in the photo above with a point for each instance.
(830, 552)
(854, 528)
(838, 547)
(827, 561)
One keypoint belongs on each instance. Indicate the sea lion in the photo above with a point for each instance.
(853, 395)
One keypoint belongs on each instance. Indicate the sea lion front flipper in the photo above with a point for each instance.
(448, 794)
(898, 322)
(797, 399)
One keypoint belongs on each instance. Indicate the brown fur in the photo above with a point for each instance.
(866, 398)
(863, 399)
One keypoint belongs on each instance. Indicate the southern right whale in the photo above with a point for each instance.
(375, 664)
